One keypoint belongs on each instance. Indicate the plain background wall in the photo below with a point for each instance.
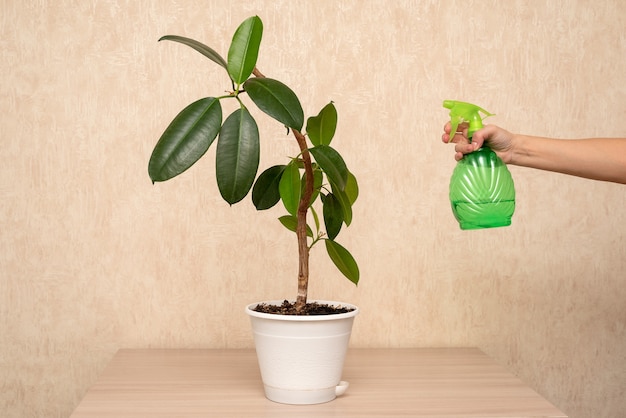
(93, 257)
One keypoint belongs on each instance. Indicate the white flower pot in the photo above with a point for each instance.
(301, 357)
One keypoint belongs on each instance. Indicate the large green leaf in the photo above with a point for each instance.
(346, 197)
(333, 215)
(244, 49)
(208, 52)
(352, 188)
(277, 100)
(237, 157)
(321, 128)
(265, 193)
(289, 187)
(344, 201)
(186, 139)
(343, 260)
(332, 164)
(291, 223)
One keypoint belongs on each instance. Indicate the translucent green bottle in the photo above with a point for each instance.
(482, 193)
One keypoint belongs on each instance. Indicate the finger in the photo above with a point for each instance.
(483, 135)
(460, 136)
(463, 127)
(465, 148)
(477, 141)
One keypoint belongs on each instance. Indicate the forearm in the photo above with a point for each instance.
(593, 158)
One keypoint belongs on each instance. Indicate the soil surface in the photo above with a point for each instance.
(313, 308)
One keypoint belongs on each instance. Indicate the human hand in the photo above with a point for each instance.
(498, 139)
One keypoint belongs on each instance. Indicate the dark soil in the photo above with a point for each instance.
(313, 308)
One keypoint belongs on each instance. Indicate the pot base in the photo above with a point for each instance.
(304, 397)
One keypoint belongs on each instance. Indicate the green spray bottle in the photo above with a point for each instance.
(482, 193)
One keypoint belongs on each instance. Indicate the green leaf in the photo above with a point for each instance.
(277, 100)
(332, 164)
(186, 139)
(321, 128)
(344, 201)
(291, 223)
(237, 157)
(289, 187)
(265, 193)
(208, 52)
(244, 49)
(343, 260)
(347, 197)
(333, 215)
(352, 188)
(316, 219)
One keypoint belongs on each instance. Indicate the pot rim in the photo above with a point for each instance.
(303, 318)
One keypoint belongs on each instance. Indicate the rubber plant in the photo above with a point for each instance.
(317, 174)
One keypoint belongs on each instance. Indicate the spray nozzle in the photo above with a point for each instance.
(465, 112)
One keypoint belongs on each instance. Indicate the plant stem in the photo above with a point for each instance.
(303, 207)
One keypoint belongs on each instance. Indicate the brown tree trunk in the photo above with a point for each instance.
(303, 207)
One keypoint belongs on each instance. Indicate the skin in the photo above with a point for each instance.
(593, 158)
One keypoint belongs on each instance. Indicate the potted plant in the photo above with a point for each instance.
(317, 175)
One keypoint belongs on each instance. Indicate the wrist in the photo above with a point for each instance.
(519, 149)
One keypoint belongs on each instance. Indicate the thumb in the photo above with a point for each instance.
(479, 138)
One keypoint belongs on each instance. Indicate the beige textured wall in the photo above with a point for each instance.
(94, 258)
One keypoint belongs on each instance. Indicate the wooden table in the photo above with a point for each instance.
(420, 382)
